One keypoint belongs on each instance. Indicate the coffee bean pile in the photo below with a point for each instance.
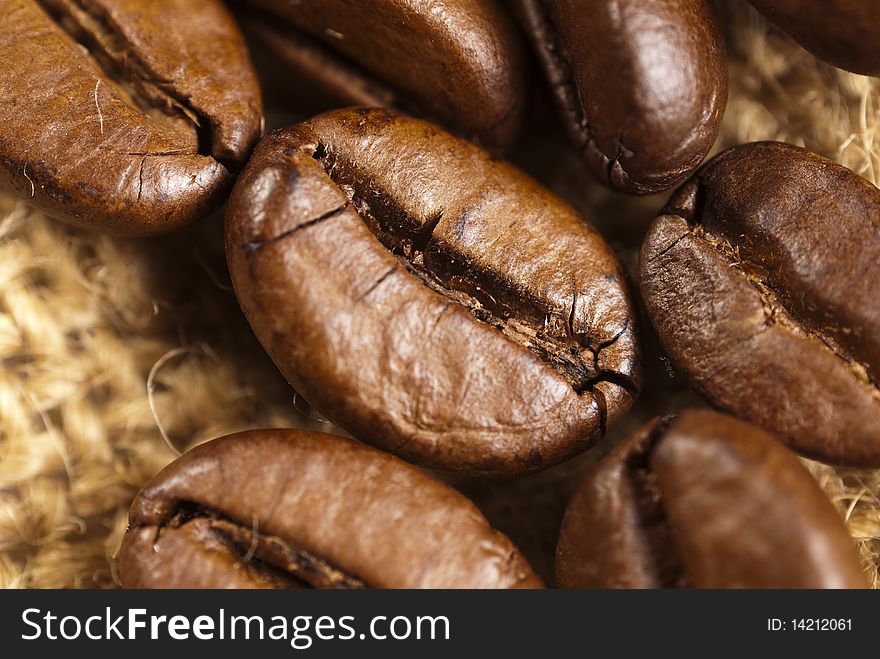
(451, 312)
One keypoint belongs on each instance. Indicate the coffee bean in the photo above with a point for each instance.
(287, 509)
(703, 501)
(641, 84)
(123, 115)
(761, 279)
(841, 32)
(458, 61)
(428, 298)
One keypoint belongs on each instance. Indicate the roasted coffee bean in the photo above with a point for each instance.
(123, 115)
(761, 278)
(458, 61)
(641, 84)
(703, 501)
(428, 298)
(288, 509)
(841, 32)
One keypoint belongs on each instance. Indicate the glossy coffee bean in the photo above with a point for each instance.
(761, 278)
(641, 84)
(841, 32)
(458, 61)
(124, 115)
(431, 300)
(703, 501)
(291, 509)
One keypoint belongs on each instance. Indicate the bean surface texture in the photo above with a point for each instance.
(292, 509)
(431, 300)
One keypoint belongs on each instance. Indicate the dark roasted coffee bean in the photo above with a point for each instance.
(123, 115)
(641, 84)
(703, 501)
(761, 278)
(428, 298)
(288, 509)
(458, 61)
(841, 32)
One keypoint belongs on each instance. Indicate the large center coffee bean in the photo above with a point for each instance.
(761, 278)
(641, 84)
(123, 115)
(703, 501)
(841, 32)
(428, 298)
(288, 509)
(458, 61)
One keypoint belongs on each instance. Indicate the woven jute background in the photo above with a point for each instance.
(117, 353)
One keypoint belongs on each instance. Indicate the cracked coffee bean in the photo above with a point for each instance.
(641, 84)
(840, 32)
(126, 115)
(292, 509)
(458, 61)
(703, 501)
(761, 279)
(429, 299)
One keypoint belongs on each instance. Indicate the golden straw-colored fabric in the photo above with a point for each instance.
(114, 349)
